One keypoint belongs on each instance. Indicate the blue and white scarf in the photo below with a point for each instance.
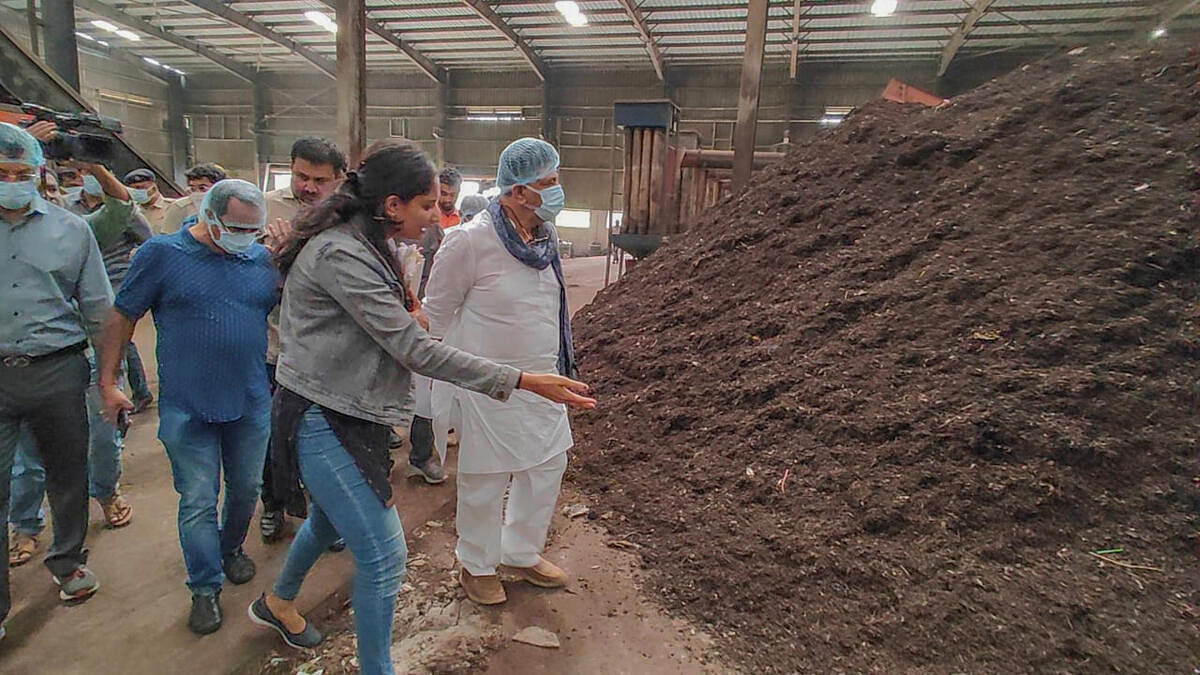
(540, 254)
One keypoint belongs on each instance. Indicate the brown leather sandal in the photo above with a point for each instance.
(21, 549)
(117, 511)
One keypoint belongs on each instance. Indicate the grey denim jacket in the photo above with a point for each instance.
(347, 342)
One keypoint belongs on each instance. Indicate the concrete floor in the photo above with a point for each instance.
(137, 622)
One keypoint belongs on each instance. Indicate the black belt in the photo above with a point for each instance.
(23, 360)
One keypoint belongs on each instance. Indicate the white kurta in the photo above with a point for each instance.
(486, 302)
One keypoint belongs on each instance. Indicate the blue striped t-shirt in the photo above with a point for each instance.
(210, 310)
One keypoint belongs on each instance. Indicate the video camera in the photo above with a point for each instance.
(77, 138)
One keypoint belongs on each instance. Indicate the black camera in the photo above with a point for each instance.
(82, 136)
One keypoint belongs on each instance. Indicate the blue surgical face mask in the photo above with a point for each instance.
(92, 186)
(230, 242)
(17, 195)
(553, 201)
(139, 196)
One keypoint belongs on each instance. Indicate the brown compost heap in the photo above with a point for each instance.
(923, 397)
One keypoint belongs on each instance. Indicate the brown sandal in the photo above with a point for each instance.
(117, 511)
(21, 549)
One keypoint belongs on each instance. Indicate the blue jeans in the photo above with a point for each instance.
(136, 373)
(28, 486)
(343, 504)
(200, 452)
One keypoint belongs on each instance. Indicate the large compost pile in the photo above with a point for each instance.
(923, 398)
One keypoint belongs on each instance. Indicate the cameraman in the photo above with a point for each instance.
(56, 298)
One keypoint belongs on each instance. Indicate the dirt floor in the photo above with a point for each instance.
(137, 622)
(923, 398)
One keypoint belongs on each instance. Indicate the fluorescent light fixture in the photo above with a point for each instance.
(576, 20)
(85, 36)
(1158, 32)
(129, 35)
(102, 43)
(883, 7)
(151, 61)
(321, 19)
(567, 7)
(104, 25)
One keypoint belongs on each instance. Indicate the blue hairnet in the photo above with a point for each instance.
(471, 205)
(525, 161)
(17, 146)
(218, 196)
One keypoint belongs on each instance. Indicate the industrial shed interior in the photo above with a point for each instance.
(889, 308)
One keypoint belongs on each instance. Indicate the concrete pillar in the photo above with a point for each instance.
(439, 123)
(58, 19)
(31, 16)
(747, 116)
(261, 128)
(352, 78)
(547, 118)
(177, 130)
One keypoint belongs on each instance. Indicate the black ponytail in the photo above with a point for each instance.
(388, 168)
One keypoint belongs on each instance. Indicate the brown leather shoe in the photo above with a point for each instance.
(483, 590)
(544, 574)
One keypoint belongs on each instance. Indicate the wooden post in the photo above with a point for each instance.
(658, 161)
(352, 78)
(747, 119)
(626, 182)
(644, 188)
(635, 188)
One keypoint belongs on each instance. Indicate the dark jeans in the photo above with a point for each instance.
(50, 396)
(420, 435)
(136, 373)
(268, 501)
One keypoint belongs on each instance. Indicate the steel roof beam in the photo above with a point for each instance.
(113, 14)
(959, 37)
(488, 14)
(643, 29)
(420, 60)
(235, 17)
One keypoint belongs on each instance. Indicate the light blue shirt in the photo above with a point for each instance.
(53, 289)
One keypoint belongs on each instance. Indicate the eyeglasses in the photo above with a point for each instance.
(17, 176)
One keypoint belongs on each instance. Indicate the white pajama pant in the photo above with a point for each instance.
(491, 535)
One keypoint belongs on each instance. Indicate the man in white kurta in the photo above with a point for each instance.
(485, 301)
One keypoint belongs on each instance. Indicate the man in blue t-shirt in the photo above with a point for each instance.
(210, 288)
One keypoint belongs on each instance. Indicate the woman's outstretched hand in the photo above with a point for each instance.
(558, 389)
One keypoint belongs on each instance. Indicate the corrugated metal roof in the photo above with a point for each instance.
(451, 33)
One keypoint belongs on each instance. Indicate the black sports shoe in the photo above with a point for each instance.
(394, 440)
(239, 568)
(206, 614)
(261, 615)
(272, 525)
